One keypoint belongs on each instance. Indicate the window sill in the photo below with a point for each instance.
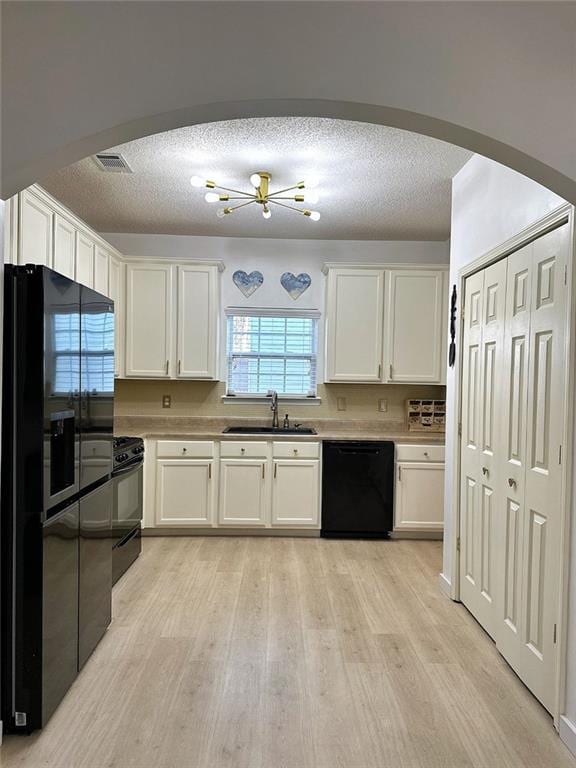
(263, 400)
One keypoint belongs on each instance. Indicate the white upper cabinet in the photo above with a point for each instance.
(354, 319)
(84, 259)
(415, 326)
(148, 320)
(64, 246)
(197, 322)
(117, 293)
(101, 270)
(35, 242)
(398, 339)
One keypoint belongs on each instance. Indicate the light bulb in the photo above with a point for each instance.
(315, 215)
(311, 182)
(196, 181)
(311, 197)
(267, 213)
(221, 213)
(211, 197)
(255, 180)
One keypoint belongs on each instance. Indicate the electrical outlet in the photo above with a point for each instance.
(341, 403)
(166, 401)
(382, 405)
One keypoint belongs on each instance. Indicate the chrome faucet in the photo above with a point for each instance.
(274, 407)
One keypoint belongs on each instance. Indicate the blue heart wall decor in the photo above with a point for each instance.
(247, 283)
(295, 285)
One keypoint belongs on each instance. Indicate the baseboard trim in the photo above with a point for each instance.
(445, 585)
(421, 535)
(285, 532)
(568, 733)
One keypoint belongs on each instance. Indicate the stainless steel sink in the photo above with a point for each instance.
(269, 431)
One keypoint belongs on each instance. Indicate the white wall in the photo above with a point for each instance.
(490, 204)
(496, 77)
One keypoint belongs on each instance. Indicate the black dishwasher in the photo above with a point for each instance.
(357, 489)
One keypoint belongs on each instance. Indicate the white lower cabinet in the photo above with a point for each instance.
(296, 492)
(419, 505)
(185, 492)
(243, 498)
(232, 484)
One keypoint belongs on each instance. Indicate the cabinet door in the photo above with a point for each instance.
(416, 326)
(296, 492)
(419, 497)
(84, 259)
(243, 485)
(148, 327)
(116, 279)
(197, 339)
(35, 231)
(64, 246)
(185, 492)
(354, 319)
(101, 270)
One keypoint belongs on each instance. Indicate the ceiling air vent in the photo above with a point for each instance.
(112, 163)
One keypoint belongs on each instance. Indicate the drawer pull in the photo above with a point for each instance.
(485, 471)
(184, 450)
(242, 450)
(426, 454)
(511, 482)
(295, 451)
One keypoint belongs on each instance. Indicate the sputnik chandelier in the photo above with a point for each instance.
(261, 195)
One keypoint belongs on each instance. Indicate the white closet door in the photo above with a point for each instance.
(481, 446)
(531, 649)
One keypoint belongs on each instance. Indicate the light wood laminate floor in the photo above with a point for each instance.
(292, 653)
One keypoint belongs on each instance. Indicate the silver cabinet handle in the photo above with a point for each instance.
(167, 364)
(263, 470)
(485, 471)
(511, 482)
(390, 370)
(295, 451)
(179, 367)
(399, 474)
(275, 470)
(184, 450)
(209, 471)
(379, 370)
(426, 454)
(242, 450)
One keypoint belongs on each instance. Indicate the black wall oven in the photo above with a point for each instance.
(128, 479)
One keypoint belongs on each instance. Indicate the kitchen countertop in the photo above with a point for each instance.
(194, 428)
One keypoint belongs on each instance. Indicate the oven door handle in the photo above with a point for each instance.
(126, 470)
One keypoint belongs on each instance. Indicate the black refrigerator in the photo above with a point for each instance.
(56, 502)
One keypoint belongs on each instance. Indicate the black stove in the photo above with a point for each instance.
(127, 450)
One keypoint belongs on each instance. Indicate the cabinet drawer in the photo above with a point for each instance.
(293, 450)
(420, 453)
(236, 449)
(185, 449)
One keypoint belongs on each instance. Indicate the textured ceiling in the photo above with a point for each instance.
(375, 183)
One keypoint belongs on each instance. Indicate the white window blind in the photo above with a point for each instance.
(272, 351)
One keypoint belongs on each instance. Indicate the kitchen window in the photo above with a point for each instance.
(271, 350)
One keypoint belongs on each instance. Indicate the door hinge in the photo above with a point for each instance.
(555, 632)
(559, 454)
(458, 544)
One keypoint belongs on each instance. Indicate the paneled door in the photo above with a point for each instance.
(481, 447)
(64, 246)
(185, 492)
(243, 492)
(532, 479)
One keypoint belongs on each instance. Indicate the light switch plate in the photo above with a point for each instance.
(341, 403)
(382, 405)
(166, 401)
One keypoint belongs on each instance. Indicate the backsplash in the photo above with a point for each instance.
(203, 399)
